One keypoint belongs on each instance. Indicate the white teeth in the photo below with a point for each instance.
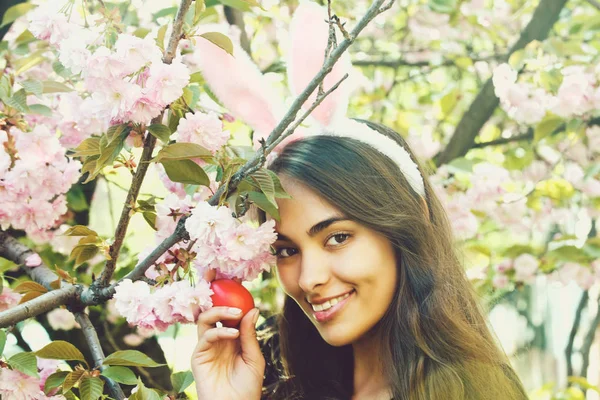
(330, 303)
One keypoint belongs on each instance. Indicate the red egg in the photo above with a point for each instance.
(230, 293)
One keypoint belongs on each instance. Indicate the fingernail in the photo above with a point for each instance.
(234, 311)
(231, 330)
(256, 315)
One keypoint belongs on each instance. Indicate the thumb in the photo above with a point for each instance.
(251, 353)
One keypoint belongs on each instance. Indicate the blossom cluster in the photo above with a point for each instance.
(158, 308)
(35, 174)
(233, 248)
(16, 385)
(577, 95)
(127, 82)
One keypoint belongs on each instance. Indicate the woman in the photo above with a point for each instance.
(365, 227)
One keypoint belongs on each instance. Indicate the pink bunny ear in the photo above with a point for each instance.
(240, 86)
(308, 39)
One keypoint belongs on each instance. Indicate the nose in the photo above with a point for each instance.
(315, 270)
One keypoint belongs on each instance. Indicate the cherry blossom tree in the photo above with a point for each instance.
(499, 99)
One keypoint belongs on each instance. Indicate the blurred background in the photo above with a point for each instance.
(500, 100)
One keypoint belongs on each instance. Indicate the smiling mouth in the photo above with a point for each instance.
(331, 312)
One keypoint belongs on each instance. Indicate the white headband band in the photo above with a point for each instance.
(363, 133)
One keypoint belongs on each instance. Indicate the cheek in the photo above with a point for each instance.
(287, 276)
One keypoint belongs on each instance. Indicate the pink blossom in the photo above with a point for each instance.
(8, 299)
(575, 94)
(207, 222)
(525, 266)
(133, 340)
(205, 129)
(504, 265)
(423, 145)
(62, 319)
(138, 52)
(33, 260)
(500, 281)
(46, 368)
(166, 81)
(47, 23)
(591, 187)
(133, 300)
(15, 385)
(593, 137)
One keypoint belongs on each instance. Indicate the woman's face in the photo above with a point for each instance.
(322, 255)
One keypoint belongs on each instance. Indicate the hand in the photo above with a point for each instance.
(227, 365)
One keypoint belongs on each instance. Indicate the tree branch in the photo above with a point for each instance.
(144, 163)
(482, 108)
(95, 295)
(91, 337)
(41, 304)
(496, 142)
(588, 340)
(569, 349)
(594, 3)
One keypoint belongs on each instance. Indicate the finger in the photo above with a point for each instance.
(251, 352)
(214, 335)
(208, 319)
(210, 275)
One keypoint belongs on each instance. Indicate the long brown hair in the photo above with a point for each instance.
(438, 343)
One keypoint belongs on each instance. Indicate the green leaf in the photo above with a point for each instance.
(121, 375)
(181, 380)
(264, 204)
(460, 165)
(55, 380)
(114, 132)
(199, 8)
(83, 252)
(40, 109)
(265, 183)
(72, 379)
(18, 101)
(130, 358)
(279, 190)
(15, 12)
(448, 102)
(143, 393)
(237, 4)
(76, 199)
(90, 388)
(150, 218)
(160, 131)
(197, 77)
(60, 350)
(110, 150)
(89, 147)
(183, 151)
(443, 6)
(29, 286)
(160, 37)
(219, 40)
(55, 87)
(2, 339)
(186, 171)
(25, 362)
(25, 64)
(546, 126)
(32, 86)
(568, 253)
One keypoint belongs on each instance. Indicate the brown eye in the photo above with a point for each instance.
(285, 252)
(338, 239)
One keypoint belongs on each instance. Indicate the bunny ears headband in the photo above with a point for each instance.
(247, 94)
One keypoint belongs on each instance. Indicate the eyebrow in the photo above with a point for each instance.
(316, 228)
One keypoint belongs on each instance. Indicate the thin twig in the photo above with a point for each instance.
(143, 165)
(496, 142)
(91, 337)
(574, 328)
(387, 6)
